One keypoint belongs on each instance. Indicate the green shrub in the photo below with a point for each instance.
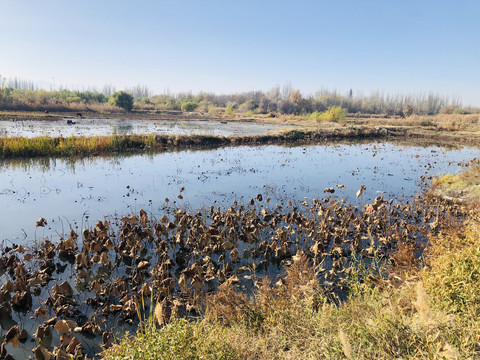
(315, 116)
(333, 114)
(229, 110)
(247, 106)
(189, 105)
(460, 111)
(121, 99)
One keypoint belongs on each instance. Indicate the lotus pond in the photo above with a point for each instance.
(119, 237)
(77, 192)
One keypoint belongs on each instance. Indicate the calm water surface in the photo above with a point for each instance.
(105, 127)
(80, 193)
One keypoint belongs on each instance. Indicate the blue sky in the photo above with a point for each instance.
(228, 46)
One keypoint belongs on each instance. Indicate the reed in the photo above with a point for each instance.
(13, 147)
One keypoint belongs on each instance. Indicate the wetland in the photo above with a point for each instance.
(93, 246)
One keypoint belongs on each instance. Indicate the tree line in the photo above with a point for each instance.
(19, 94)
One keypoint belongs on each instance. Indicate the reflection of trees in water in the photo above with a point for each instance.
(122, 128)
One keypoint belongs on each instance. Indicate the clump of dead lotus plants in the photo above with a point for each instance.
(72, 297)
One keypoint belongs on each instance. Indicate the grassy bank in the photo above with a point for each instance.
(464, 187)
(411, 314)
(99, 145)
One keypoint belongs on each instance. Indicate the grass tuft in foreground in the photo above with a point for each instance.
(433, 313)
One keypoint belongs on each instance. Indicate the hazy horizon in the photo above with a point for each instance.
(232, 47)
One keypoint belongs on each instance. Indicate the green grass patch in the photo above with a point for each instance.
(465, 185)
(178, 340)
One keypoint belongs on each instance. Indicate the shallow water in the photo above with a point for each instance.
(105, 127)
(80, 193)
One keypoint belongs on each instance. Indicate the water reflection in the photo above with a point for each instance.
(105, 127)
(71, 193)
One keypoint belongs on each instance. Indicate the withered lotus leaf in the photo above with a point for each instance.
(65, 326)
(167, 285)
(109, 244)
(132, 220)
(129, 310)
(99, 226)
(41, 312)
(20, 249)
(5, 311)
(143, 217)
(96, 286)
(164, 219)
(41, 222)
(233, 280)
(50, 321)
(361, 190)
(20, 271)
(63, 289)
(60, 354)
(234, 255)
(12, 336)
(73, 234)
(22, 300)
(43, 331)
(125, 299)
(82, 274)
(11, 261)
(115, 308)
(370, 209)
(91, 328)
(23, 336)
(104, 259)
(41, 353)
(182, 282)
(67, 244)
(7, 287)
(82, 260)
(95, 247)
(72, 346)
(27, 257)
(145, 291)
(228, 245)
(197, 283)
(143, 265)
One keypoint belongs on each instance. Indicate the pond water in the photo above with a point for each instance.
(82, 192)
(105, 127)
